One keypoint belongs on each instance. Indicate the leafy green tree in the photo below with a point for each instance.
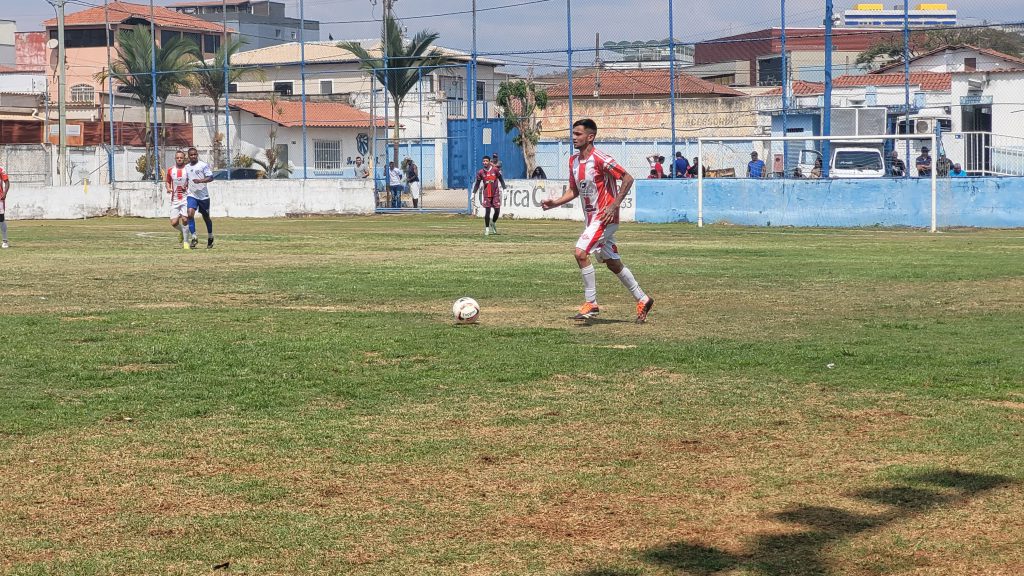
(208, 78)
(890, 50)
(519, 100)
(133, 71)
(400, 72)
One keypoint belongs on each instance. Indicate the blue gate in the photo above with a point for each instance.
(489, 137)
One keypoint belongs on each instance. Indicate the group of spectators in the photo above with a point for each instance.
(681, 167)
(399, 180)
(944, 167)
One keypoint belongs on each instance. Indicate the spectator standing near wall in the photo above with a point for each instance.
(680, 166)
(395, 183)
(412, 179)
(897, 168)
(362, 170)
(657, 164)
(755, 168)
(495, 161)
(924, 163)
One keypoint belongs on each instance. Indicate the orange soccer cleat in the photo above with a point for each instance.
(587, 311)
(643, 307)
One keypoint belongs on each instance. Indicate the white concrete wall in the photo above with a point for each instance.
(237, 199)
(522, 198)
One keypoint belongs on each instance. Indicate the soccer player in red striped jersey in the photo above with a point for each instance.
(177, 186)
(594, 176)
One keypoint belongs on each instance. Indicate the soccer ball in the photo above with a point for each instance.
(466, 310)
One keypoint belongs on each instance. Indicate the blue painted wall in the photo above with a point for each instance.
(976, 202)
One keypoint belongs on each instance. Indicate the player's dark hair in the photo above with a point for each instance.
(486, 157)
(193, 148)
(586, 123)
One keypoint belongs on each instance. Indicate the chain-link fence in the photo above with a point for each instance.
(452, 81)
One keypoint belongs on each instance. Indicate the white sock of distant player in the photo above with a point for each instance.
(3, 230)
(589, 284)
(626, 277)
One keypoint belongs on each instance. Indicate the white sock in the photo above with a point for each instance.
(589, 284)
(626, 277)
(3, 230)
(181, 230)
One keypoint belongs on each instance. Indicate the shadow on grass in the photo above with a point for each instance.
(801, 553)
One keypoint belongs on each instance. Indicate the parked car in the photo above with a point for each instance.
(238, 174)
(847, 162)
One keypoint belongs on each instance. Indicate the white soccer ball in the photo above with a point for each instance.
(465, 310)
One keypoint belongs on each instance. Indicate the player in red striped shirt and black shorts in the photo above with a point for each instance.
(594, 175)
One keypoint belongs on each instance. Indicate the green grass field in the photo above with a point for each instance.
(298, 401)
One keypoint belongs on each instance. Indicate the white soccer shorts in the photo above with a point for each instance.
(598, 239)
(179, 209)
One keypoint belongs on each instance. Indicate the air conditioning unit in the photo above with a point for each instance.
(924, 126)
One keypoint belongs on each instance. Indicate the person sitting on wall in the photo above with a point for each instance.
(957, 171)
(816, 171)
(653, 174)
(538, 174)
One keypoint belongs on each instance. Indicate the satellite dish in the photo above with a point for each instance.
(51, 43)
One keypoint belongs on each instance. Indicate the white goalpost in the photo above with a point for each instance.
(837, 142)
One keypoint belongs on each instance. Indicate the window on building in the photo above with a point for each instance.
(90, 38)
(769, 71)
(211, 43)
(427, 84)
(970, 64)
(277, 33)
(83, 93)
(480, 88)
(327, 155)
(294, 35)
(284, 88)
(233, 87)
(327, 86)
(723, 79)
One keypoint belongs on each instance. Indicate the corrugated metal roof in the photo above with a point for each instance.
(120, 11)
(318, 114)
(898, 66)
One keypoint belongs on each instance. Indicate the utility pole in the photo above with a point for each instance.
(62, 112)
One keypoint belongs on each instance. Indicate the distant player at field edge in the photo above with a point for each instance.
(594, 175)
(5, 185)
(490, 197)
(199, 174)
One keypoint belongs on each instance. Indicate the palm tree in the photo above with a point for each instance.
(399, 73)
(133, 71)
(208, 78)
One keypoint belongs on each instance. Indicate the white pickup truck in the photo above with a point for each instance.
(847, 162)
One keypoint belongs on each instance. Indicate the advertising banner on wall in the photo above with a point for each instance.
(522, 198)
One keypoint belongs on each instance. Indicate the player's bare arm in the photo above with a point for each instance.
(569, 196)
(610, 211)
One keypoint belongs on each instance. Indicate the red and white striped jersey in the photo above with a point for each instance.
(596, 180)
(178, 179)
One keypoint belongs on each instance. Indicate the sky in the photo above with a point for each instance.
(536, 29)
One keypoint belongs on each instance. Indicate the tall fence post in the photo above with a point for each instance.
(935, 191)
(302, 78)
(700, 182)
(568, 25)
(906, 80)
(672, 83)
(826, 120)
(785, 92)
